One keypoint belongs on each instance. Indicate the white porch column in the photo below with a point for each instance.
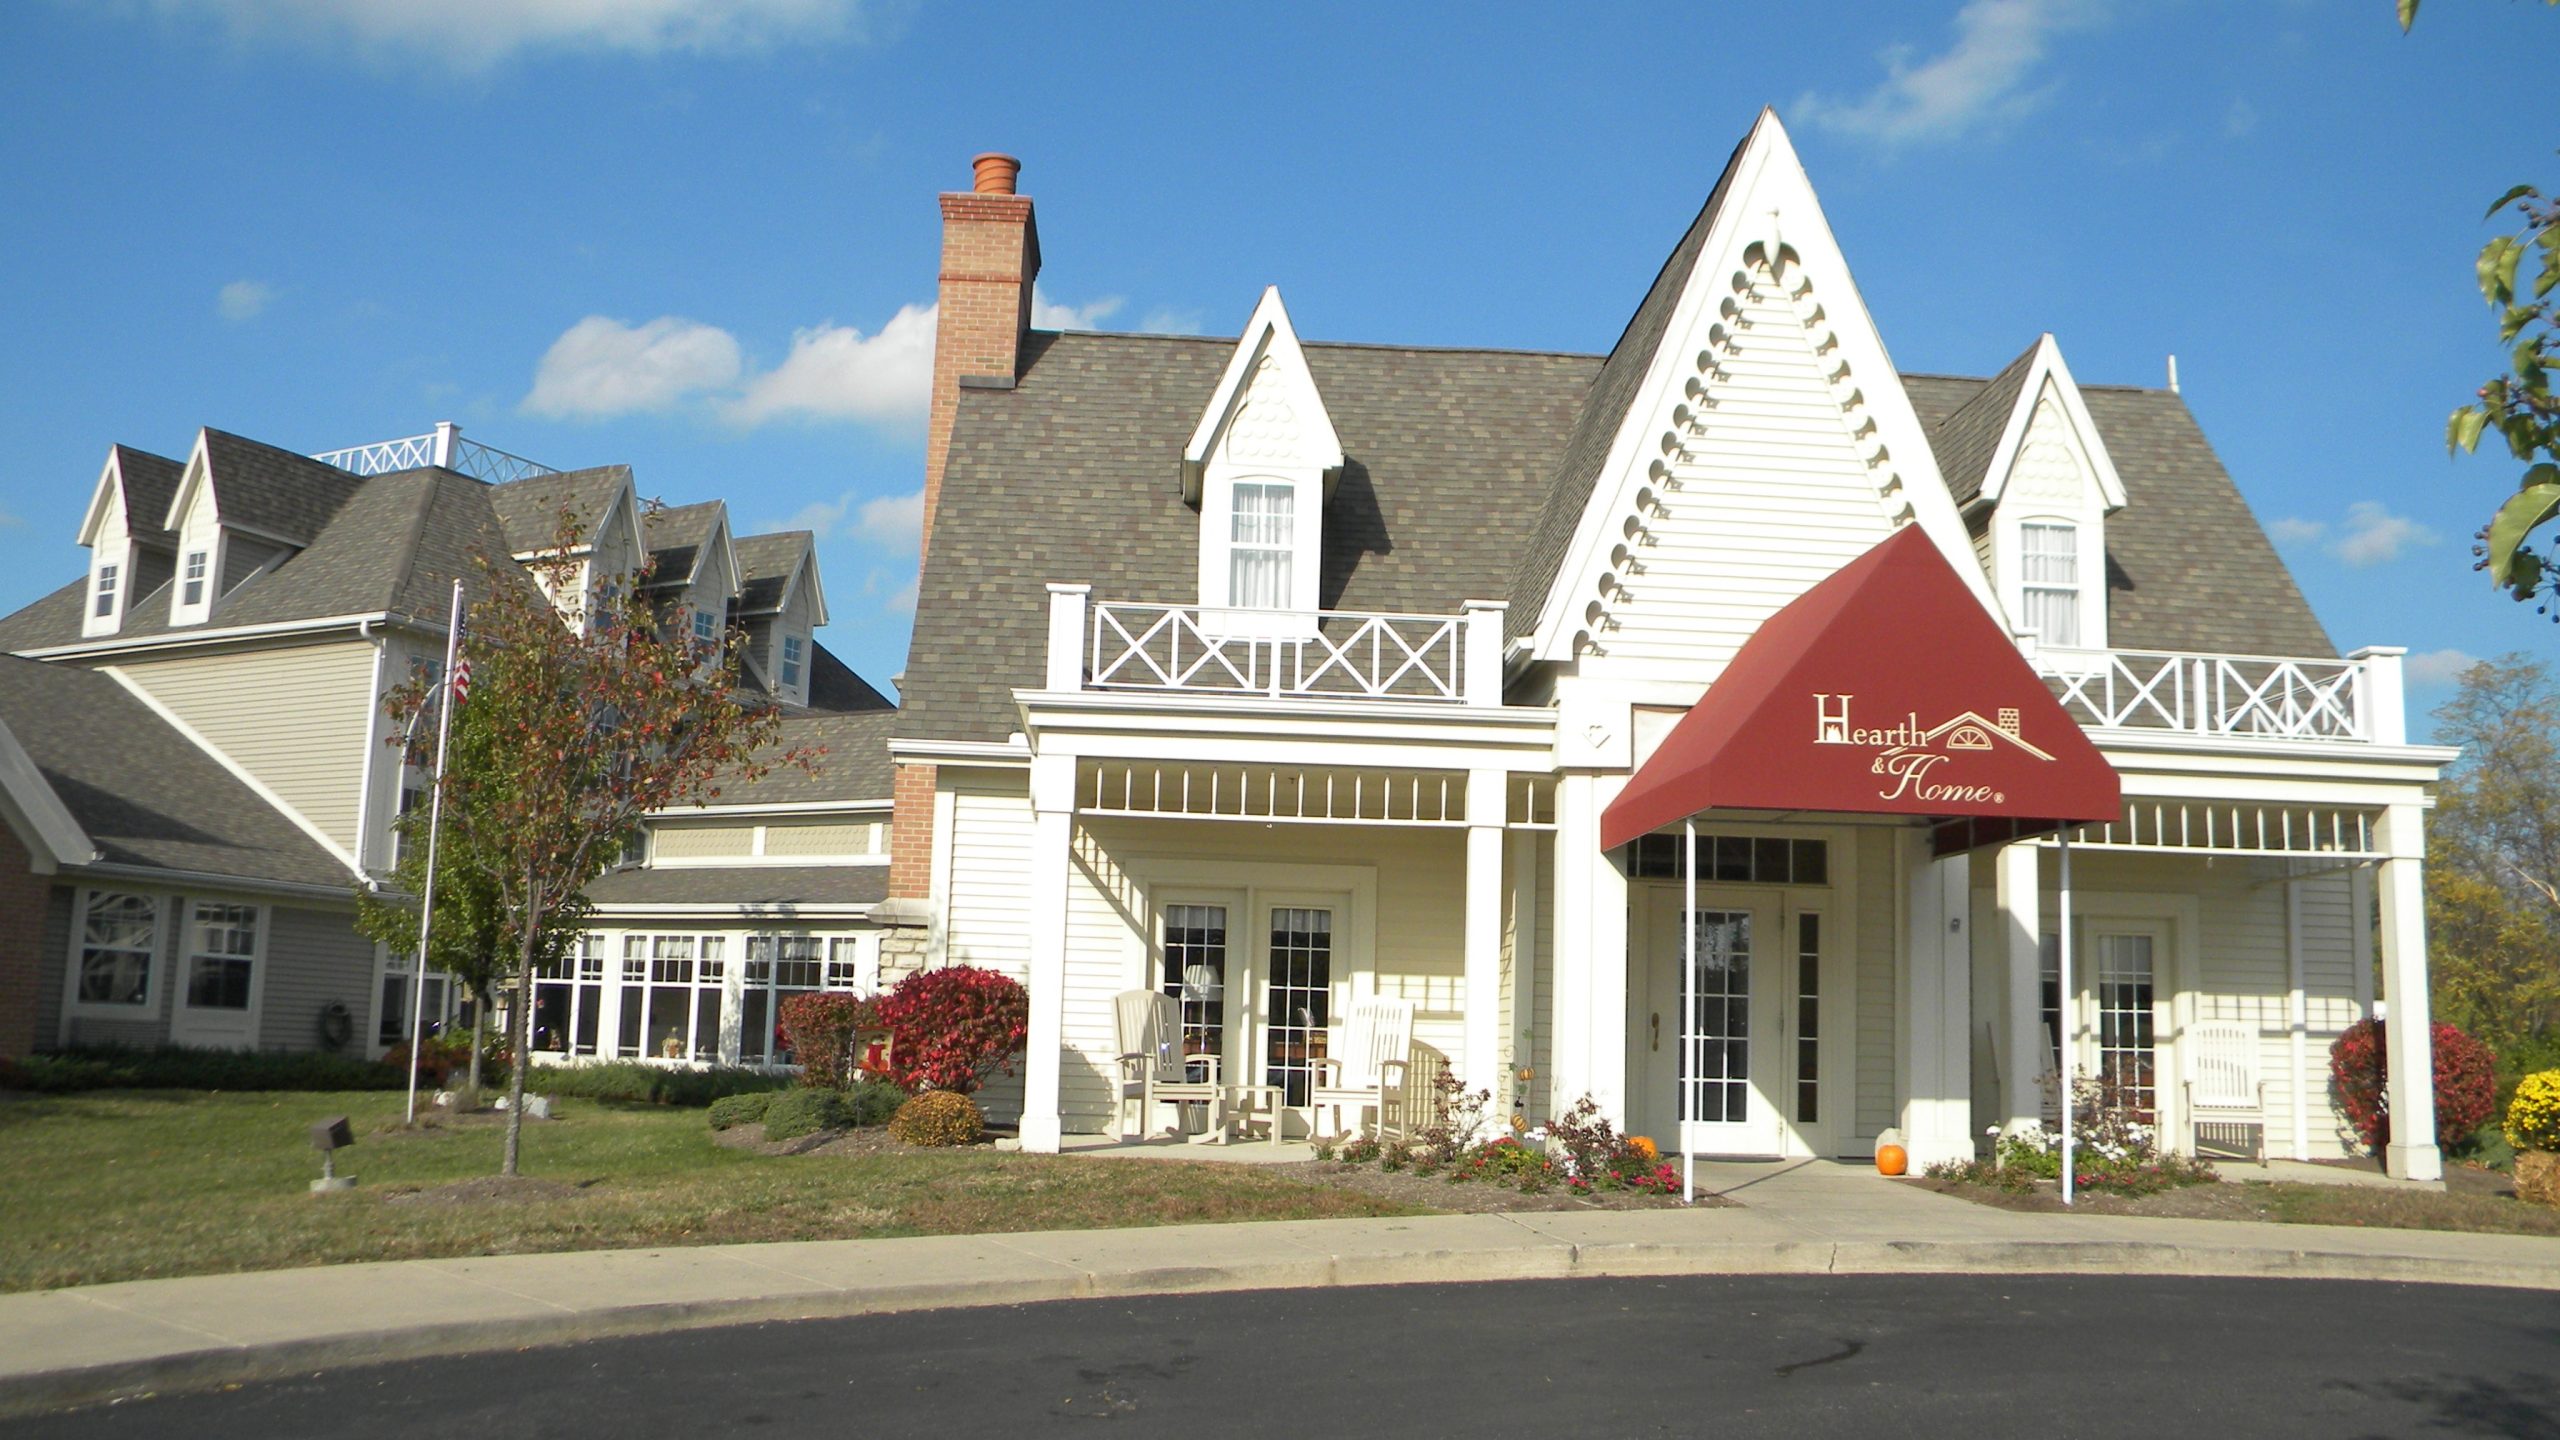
(1488, 797)
(2022, 1060)
(1577, 854)
(1053, 784)
(2409, 1035)
(1525, 904)
(1935, 1008)
(1607, 1080)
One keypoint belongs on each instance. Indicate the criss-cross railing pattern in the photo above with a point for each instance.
(437, 447)
(2250, 695)
(1327, 654)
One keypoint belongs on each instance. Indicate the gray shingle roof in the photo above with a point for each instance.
(1966, 438)
(781, 886)
(676, 536)
(765, 566)
(150, 484)
(146, 795)
(1075, 475)
(529, 509)
(274, 492)
(834, 687)
(854, 767)
(397, 544)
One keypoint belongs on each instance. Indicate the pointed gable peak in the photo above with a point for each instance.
(1265, 407)
(2035, 379)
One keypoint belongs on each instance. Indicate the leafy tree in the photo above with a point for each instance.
(2493, 858)
(592, 713)
(2518, 405)
(469, 938)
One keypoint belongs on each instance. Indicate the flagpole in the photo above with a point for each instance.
(435, 814)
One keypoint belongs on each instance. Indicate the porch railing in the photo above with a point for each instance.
(2253, 696)
(443, 446)
(1275, 654)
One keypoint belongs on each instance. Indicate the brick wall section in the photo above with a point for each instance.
(22, 912)
(990, 256)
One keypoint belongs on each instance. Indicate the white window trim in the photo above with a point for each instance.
(210, 546)
(1295, 617)
(2009, 552)
(2177, 966)
(155, 1001)
(182, 965)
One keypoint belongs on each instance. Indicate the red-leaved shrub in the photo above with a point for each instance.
(952, 1028)
(824, 1030)
(2466, 1082)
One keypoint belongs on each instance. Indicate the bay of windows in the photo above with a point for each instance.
(688, 998)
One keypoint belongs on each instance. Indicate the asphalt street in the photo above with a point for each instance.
(1721, 1356)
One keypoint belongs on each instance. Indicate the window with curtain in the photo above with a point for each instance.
(2049, 580)
(1261, 546)
(117, 935)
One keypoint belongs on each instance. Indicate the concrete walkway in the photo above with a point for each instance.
(64, 1347)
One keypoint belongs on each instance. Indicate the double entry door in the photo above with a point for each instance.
(1255, 974)
(1732, 1061)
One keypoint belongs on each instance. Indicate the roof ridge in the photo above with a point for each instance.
(1229, 341)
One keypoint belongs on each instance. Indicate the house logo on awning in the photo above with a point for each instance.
(1908, 753)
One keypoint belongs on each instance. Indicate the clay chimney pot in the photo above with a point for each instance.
(994, 173)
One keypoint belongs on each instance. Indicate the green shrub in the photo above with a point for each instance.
(176, 1068)
(731, 1111)
(797, 1112)
(648, 1084)
(874, 1102)
(938, 1117)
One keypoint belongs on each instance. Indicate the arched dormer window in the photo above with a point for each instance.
(1258, 466)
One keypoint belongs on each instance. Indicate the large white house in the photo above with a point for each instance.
(1279, 674)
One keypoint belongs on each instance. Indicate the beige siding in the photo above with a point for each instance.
(1877, 937)
(694, 842)
(314, 958)
(1542, 1004)
(990, 880)
(855, 837)
(297, 719)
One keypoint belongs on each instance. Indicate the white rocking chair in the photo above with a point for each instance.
(1352, 1078)
(1409, 1093)
(2223, 1083)
(1153, 1071)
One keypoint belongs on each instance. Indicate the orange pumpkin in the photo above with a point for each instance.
(1891, 1160)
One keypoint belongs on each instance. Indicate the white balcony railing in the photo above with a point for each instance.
(2254, 696)
(442, 446)
(1280, 655)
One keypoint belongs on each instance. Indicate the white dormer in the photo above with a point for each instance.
(112, 556)
(196, 519)
(1260, 465)
(2043, 507)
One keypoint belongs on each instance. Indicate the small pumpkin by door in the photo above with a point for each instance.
(1891, 1160)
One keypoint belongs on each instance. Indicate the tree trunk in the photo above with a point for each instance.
(520, 1024)
(479, 1035)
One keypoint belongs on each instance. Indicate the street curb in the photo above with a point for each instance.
(214, 1366)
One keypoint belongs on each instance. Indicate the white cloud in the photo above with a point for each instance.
(1048, 315)
(2438, 667)
(892, 522)
(835, 372)
(1980, 82)
(2369, 535)
(469, 35)
(243, 299)
(601, 367)
(1164, 320)
(2240, 119)
(2373, 535)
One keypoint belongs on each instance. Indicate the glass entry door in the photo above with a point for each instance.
(1722, 1074)
(1254, 976)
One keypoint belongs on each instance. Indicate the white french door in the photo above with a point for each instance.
(1719, 1075)
(1256, 977)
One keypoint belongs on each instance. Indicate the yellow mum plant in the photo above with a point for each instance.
(2533, 1120)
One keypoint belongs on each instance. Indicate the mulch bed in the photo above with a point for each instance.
(1464, 1197)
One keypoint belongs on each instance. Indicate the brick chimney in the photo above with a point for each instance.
(990, 256)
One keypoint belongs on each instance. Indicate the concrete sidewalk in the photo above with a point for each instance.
(65, 1347)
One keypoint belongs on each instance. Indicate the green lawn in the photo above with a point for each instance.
(123, 1185)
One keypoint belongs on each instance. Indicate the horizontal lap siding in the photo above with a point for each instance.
(1542, 1006)
(990, 900)
(314, 959)
(53, 966)
(2329, 994)
(1877, 1101)
(296, 719)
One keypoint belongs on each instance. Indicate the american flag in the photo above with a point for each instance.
(461, 668)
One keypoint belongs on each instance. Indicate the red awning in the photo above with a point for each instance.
(1886, 690)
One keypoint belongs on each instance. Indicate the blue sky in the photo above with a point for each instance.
(699, 236)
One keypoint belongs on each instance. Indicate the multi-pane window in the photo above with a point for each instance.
(1262, 546)
(794, 657)
(2049, 581)
(117, 934)
(1718, 1072)
(222, 952)
(1740, 858)
(1808, 1018)
(778, 967)
(437, 1001)
(106, 590)
(2125, 992)
(191, 590)
(1299, 998)
(1195, 975)
(706, 627)
(671, 992)
(568, 1000)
